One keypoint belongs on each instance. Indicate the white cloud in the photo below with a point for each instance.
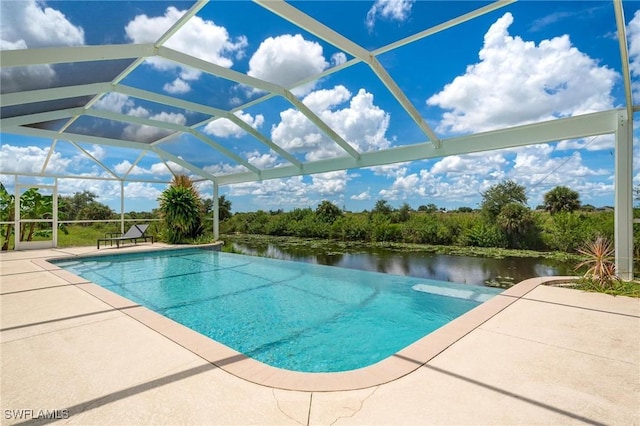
(391, 10)
(519, 82)
(105, 190)
(478, 163)
(124, 166)
(114, 102)
(389, 170)
(96, 151)
(462, 178)
(338, 59)
(198, 37)
(224, 169)
(30, 159)
(141, 190)
(594, 143)
(262, 161)
(156, 169)
(224, 128)
(177, 86)
(405, 185)
(330, 183)
(30, 24)
(295, 191)
(144, 133)
(363, 196)
(362, 124)
(287, 59)
(33, 24)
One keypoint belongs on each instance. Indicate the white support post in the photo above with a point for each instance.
(54, 225)
(16, 213)
(121, 207)
(216, 212)
(624, 197)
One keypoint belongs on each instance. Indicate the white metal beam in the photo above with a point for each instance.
(39, 117)
(598, 123)
(313, 117)
(193, 10)
(232, 75)
(400, 96)
(50, 134)
(41, 95)
(444, 26)
(306, 22)
(59, 55)
(94, 159)
(226, 152)
(624, 55)
(82, 177)
(164, 155)
(217, 70)
(266, 141)
(167, 100)
(175, 127)
(623, 221)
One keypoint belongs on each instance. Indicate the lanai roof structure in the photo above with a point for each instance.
(76, 91)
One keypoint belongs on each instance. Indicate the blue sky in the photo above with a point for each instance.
(527, 62)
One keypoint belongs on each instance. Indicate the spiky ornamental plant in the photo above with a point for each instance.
(180, 208)
(600, 262)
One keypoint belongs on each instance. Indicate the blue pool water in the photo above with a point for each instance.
(291, 315)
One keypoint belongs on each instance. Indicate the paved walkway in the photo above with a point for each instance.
(554, 356)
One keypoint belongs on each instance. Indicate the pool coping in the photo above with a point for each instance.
(392, 368)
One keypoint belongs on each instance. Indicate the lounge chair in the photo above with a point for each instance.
(135, 233)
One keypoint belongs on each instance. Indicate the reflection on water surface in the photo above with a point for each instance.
(458, 269)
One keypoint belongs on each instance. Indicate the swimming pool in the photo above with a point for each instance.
(291, 315)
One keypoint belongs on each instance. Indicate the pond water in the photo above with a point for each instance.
(459, 269)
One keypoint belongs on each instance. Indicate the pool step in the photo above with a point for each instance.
(453, 292)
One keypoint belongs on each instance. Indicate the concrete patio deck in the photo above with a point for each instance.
(550, 356)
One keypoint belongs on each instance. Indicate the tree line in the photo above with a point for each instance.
(503, 220)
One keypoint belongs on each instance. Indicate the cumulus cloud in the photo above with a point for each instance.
(30, 24)
(262, 161)
(463, 178)
(296, 191)
(224, 128)
(30, 159)
(390, 10)
(122, 104)
(224, 169)
(177, 86)
(518, 82)
(114, 102)
(287, 59)
(338, 59)
(141, 190)
(144, 133)
(33, 24)
(361, 123)
(330, 183)
(363, 196)
(198, 37)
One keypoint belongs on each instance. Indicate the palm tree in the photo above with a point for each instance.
(561, 199)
